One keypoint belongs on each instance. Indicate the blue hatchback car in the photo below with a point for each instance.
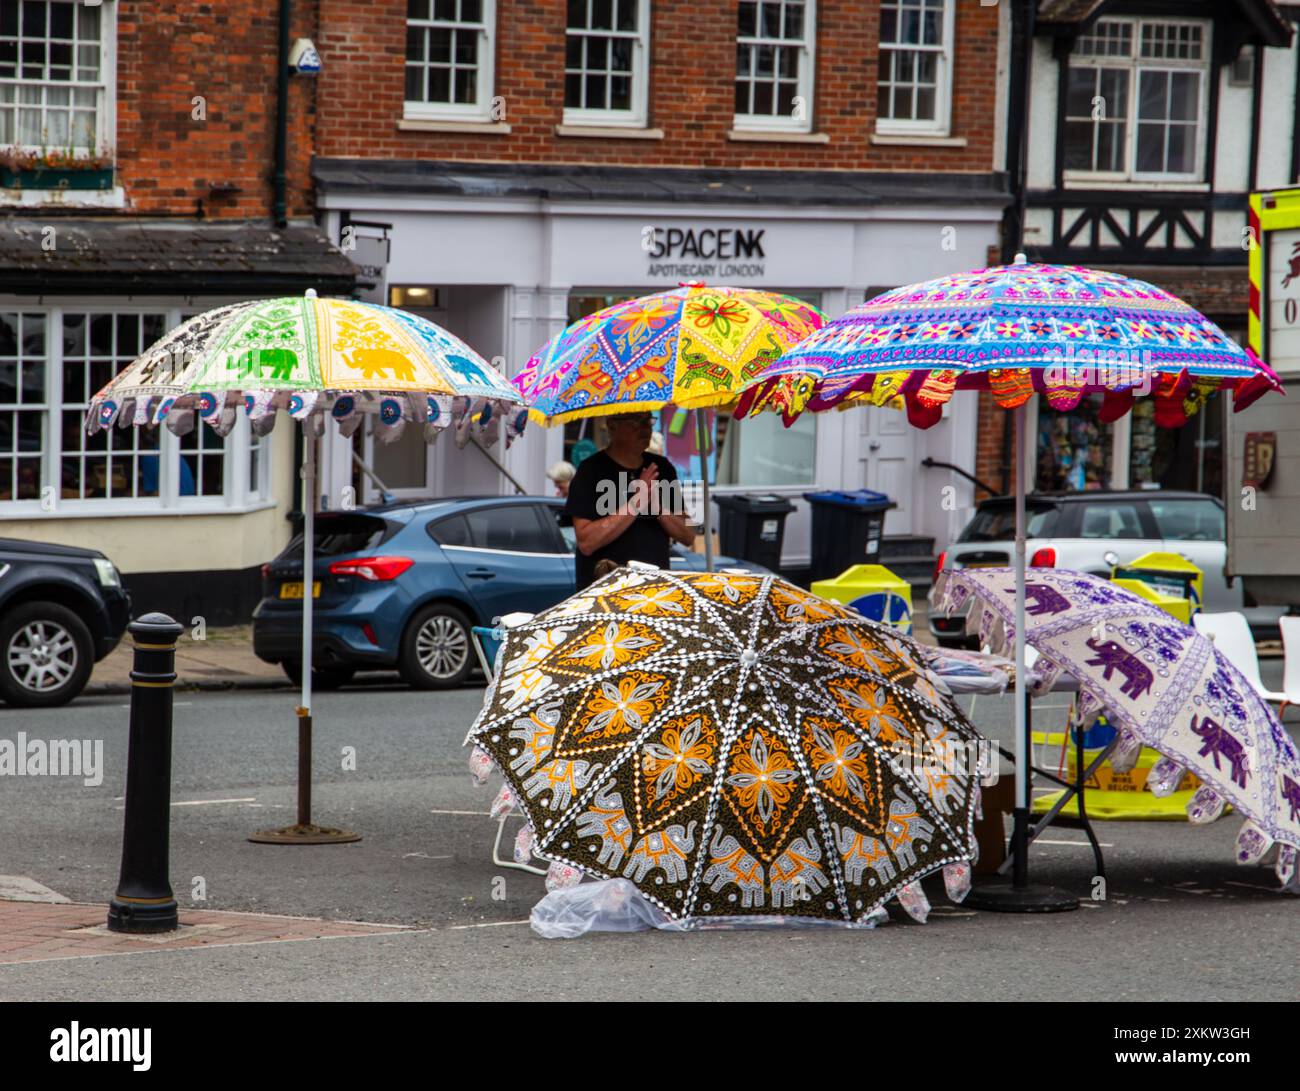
(400, 585)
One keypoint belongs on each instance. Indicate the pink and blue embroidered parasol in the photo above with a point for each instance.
(1015, 330)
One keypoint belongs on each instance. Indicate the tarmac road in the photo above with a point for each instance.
(1179, 920)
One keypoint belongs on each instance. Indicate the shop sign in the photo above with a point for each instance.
(705, 253)
(1261, 453)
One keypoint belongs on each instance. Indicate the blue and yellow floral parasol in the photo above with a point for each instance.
(693, 346)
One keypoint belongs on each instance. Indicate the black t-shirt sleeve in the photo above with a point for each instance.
(667, 471)
(671, 497)
(581, 502)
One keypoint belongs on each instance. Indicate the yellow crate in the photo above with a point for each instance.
(874, 591)
(1110, 794)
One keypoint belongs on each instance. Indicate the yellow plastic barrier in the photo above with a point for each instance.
(874, 591)
(1173, 605)
(1108, 794)
(1169, 572)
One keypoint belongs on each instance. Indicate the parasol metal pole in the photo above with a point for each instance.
(1020, 829)
(305, 832)
(308, 604)
(1019, 895)
(308, 565)
(701, 438)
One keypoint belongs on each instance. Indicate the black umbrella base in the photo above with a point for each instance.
(304, 835)
(1000, 896)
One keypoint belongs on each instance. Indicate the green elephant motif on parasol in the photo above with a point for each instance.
(253, 363)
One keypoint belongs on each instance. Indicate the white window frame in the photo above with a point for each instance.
(479, 111)
(106, 111)
(370, 492)
(941, 125)
(237, 496)
(637, 116)
(804, 84)
(1135, 65)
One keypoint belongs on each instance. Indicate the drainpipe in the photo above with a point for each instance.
(1022, 53)
(1013, 219)
(279, 213)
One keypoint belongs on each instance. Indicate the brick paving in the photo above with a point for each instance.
(34, 931)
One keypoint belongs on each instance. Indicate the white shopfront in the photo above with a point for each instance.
(507, 274)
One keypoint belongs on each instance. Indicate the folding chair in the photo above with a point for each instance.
(487, 643)
(1231, 635)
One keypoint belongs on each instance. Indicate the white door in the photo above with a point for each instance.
(886, 462)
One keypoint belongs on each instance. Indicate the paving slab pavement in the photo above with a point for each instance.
(36, 931)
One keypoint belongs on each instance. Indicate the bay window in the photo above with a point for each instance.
(52, 361)
(1135, 100)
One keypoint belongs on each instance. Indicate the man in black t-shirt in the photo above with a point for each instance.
(625, 503)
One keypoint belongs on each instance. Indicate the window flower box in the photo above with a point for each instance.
(43, 177)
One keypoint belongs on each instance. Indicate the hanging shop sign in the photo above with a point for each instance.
(1261, 453)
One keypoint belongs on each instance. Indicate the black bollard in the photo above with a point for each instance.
(144, 901)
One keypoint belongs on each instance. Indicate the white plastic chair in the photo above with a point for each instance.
(1291, 667)
(486, 661)
(1231, 635)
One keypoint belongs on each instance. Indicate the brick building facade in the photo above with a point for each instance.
(493, 164)
(502, 163)
(137, 163)
(211, 159)
(692, 73)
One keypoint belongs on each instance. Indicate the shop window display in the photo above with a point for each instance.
(1190, 457)
(1074, 448)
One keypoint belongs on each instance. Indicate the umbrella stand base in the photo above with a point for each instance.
(1002, 896)
(304, 835)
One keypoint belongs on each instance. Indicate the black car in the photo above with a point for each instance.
(62, 609)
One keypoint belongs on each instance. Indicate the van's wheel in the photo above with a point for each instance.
(436, 650)
(46, 655)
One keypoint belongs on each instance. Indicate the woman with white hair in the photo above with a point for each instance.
(561, 474)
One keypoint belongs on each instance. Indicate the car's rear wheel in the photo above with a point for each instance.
(47, 655)
(436, 649)
(322, 678)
